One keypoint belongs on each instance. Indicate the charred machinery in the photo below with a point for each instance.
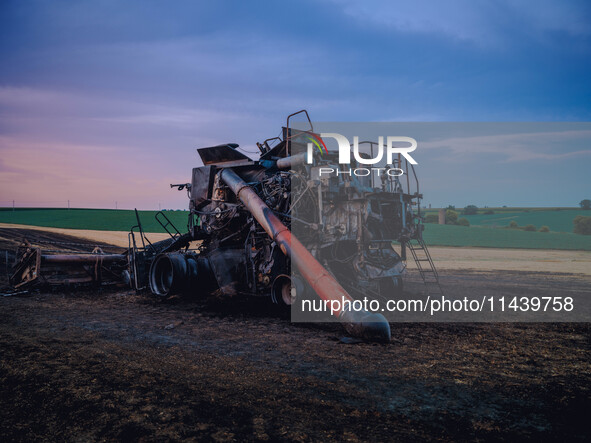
(278, 227)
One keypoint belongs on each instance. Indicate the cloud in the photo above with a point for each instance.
(95, 149)
(483, 23)
(135, 89)
(517, 147)
(88, 176)
(90, 118)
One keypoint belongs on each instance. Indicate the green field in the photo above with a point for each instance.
(94, 219)
(557, 219)
(438, 235)
(447, 235)
(490, 230)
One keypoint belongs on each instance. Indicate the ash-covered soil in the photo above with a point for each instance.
(110, 364)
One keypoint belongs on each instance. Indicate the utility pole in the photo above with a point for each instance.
(68, 205)
(115, 205)
(12, 205)
(159, 207)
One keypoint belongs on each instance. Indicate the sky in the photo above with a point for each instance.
(103, 103)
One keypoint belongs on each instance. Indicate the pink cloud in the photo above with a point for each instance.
(88, 176)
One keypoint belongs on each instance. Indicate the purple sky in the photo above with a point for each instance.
(105, 101)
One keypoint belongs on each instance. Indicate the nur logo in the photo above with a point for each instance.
(345, 149)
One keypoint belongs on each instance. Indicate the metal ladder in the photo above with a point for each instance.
(166, 223)
(425, 266)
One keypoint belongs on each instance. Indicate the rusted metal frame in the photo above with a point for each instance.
(287, 136)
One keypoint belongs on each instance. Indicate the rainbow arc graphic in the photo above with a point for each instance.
(316, 141)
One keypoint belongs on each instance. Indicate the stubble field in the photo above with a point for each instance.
(108, 363)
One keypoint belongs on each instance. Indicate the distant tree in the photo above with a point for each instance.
(544, 229)
(452, 207)
(431, 218)
(513, 224)
(585, 204)
(463, 222)
(489, 212)
(470, 210)
(530, 228)
(451, 217)
(582, 225)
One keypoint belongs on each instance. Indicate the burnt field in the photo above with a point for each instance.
(110, 364)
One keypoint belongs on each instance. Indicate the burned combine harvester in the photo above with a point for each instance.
(244, 218)
(246, 214)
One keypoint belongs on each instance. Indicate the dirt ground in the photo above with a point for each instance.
(110, 364)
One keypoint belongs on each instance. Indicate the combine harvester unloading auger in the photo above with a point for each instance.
(241, 234)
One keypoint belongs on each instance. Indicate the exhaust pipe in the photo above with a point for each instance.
(292, 161)
(358, 323)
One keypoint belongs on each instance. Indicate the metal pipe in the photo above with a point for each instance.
(291, 161)
(359, 323)
(82, 258)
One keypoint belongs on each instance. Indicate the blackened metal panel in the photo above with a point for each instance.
(228, 266)
(202, 184)
(223, 154)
